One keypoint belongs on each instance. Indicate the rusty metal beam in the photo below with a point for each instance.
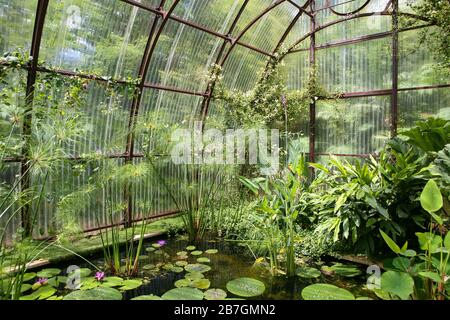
(394, 97)
(312, 106)
(41, 12)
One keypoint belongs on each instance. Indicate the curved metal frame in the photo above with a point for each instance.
(222, 56)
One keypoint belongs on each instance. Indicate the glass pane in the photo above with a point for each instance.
(9, 175)
(104, 37)
(352, 126)
(182, 57)
(416, 65)
(358, 67)
(421, 104)
(297, 66)
(16, 24)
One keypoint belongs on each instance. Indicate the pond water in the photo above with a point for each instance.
(231, 261)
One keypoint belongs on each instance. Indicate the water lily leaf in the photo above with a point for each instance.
(211, 251)
(197, 267)
(112, 282)
(431, 275)
(201, 284)
(196, 253)
(399, 283)
(40, 294)
(308, 272)
(345, 270)
(323, 291)
(100, 293)
(29, 276)
(149, 267)
(401, 263)
(83, 272)
(25, 287)
(147, 297)
(150, 249)
(183, 283)
(55, 298)
(177, 269)
(131, 284)
(190, 248)
(183, 294)
(203, 260)
(215, 294)
(246, 287)
(89, 283)
(181, 263)
(194, 275)
(156, 245)
(182, 257)
(182, 253)
(168, 266)
(327, 270)
(48, 273)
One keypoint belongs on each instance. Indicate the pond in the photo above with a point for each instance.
(211, 264)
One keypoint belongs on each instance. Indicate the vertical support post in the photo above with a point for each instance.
(25, 183)
(312, 106)
(394, 98)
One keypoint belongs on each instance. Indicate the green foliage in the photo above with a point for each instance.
(322, 291)
(430, 136)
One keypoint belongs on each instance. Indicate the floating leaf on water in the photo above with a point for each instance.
(322, 291)
(215, 294)
(196, 253)
(89, 283)
(181, 263)
(40, 294)
(183, 294)
(183, 283)
(147, 297)
(326, 270)
(346, 270)
(29, 276)
(194, 275)
(197, 267)
(149, 267)
(100, 293)
(308, 272)
(150, 249)
(201, 284)
(112, 282)
(246, 287)
(182, 257)
(55, 298)
(182, 253)
(53, 282)
(25, 287)
(211, 251)
(168, 266)
(131, 284)
(83, 272)
(141, 258)
(156, 245)
(177, 269)
(190, 248)
(398, 283)
(203, 260)
(48, 273)
(363, 298)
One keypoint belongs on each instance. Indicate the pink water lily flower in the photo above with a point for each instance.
(162, 243)
(42, 281)
(99, 275)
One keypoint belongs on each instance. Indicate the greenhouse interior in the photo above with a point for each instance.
(224, 150)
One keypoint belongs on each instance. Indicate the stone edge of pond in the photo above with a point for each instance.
(92, 244)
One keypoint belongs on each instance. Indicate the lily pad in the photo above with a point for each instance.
(196, 252)
(246, 287)
(183, 294)
(150, 249)
(42, 293)
(197, 267)
(194, 275)
(83, 272)
(183, 283)
(308, 272)
(399, 283)
(201, 284)
(48, 273)
(203, 260)
(323, 291)
(177, 269)
(131, 284)
(149, 267)
(211, 251)
(182, 253)
(215, 294)
(156, 245)
(112, 282)
(100, 293)
(346, 270)
(25, 287)
(190, 248)
(29, 276)
(181, 263)
(147, 297)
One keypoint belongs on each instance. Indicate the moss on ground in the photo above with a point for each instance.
(57, 251)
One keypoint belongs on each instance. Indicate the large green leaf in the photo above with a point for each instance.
(431, 197)
(100, 293)
(399, 283)
(346, 270)
(215, 294)
(48, 273)
(246, 287)
(147, 297)
(391, 244)
(183, 294)
(447, 241)
(197, 267)
(42, 293)
(131, 284)
(308, 272)
(429, 241)
(323, 291)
